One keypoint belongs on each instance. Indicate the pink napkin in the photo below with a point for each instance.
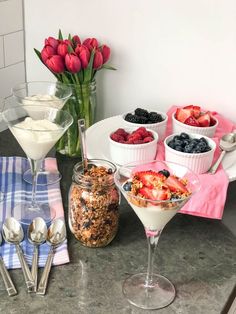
(209, 202)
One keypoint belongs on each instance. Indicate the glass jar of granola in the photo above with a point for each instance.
(93, 203)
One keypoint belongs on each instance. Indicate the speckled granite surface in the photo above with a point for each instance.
(197, 255)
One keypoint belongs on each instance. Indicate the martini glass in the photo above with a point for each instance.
(50, 94)
(149, 290)
(37, 129)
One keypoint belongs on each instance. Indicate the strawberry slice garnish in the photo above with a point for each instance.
(196, 111)
(175, 185)
(191, 121)
(205, 119)
(148, 178)
(182, 114)
(155, 194)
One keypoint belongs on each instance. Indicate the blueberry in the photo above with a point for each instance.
(171, 144)
(184, 136)
(179, 143)
(185, 142)
(196, 151)
(178, 148)
(176, 137)
(188, 149)
(164, 172)
(202, 139)
(207, 148)
(127, 186)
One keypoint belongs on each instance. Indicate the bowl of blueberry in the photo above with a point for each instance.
(194, 151)
(154, 120)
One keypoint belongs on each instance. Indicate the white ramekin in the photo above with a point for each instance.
(178, 127)
(121, 153)
(159, 127)
(198, 163)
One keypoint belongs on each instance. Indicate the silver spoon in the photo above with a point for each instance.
(37, 234)
(82, 128)
(13, 233)
(56, 235)
(11, 290)
(227, 144)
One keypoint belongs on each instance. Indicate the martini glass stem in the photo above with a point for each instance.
(35, 166)
(152, 239)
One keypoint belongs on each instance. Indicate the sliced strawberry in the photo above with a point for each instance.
(205, 119)
(148, 139)
(212, 120)
(155, 194)
(183, 114)
(191, 121)
(148, 178)
(175, 185)
(196, 111)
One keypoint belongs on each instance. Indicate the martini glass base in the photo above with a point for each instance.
(160, 294)
(27, 213)
(44, 177)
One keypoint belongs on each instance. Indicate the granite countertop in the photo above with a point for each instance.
(197, 255)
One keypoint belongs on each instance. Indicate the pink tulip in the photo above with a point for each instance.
(84, 55)
(91, 43)
(62, 48)
(47, 52)
(52, 42)
(55, 64)
(106, 51)
(98, 60)
(76, 40)
(72, 62)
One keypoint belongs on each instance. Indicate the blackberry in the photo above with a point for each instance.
(164, 172)
(131, 118)
(154, 117)
(127, 186)
(141, 112)
(142, 120)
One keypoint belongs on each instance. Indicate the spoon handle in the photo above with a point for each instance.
(34, 268)
(213, 168)
(44, 279)
(11, 290)
(25, 268)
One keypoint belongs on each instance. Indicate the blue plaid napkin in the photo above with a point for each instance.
(15, 190)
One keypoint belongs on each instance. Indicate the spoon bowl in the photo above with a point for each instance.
(13, 233)
(37, 234)
(227, 144)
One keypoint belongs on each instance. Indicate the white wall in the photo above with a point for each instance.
(166, 51)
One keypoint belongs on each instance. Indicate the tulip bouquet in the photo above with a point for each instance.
(76, 62)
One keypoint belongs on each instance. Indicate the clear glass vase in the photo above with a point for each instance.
(82, 104)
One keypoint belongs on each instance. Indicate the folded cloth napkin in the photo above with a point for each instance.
(209, 202)
(16, 189)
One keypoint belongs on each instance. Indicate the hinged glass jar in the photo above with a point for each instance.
(93, 203)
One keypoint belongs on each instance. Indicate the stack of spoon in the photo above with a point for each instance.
(37, 234)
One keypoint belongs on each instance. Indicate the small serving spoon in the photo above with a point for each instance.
(55, 237)
(11, 290)
(227, 144)
(37, 234)
(83, 148)
(13, 233)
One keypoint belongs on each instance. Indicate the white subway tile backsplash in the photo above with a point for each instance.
(1, 53)
(10, 76)
(11, 16)
(14, 48)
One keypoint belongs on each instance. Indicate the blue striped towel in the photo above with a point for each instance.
(16, 189)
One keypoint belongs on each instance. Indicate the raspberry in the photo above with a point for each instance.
(147, 139)
(138, 142)
(117, 138)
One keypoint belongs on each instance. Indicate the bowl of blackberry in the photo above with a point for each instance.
(194, 151)
(151, 119)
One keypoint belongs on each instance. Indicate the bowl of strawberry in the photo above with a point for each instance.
(132, 144)
(192, 119)
(194, 151)
(151, 119)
